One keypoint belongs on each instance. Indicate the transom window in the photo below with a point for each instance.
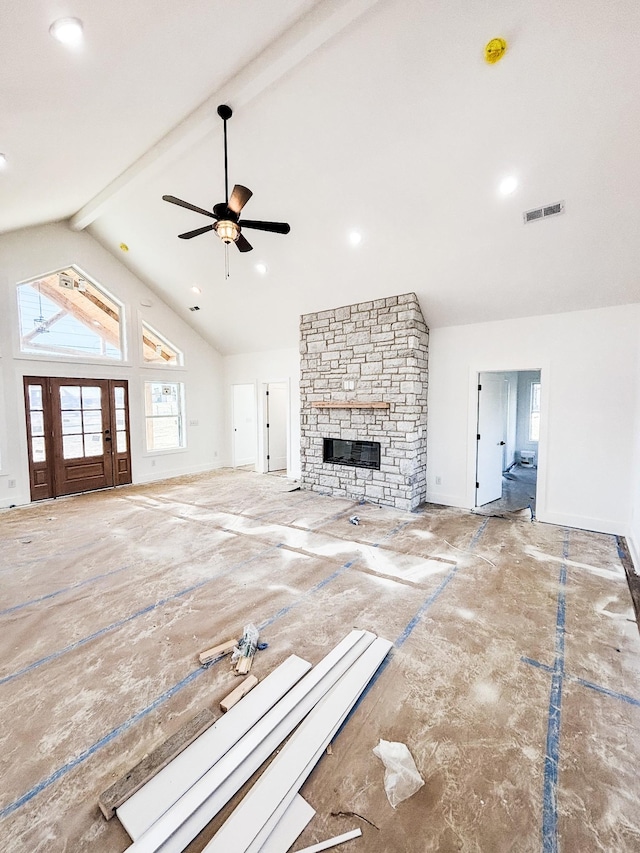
(156, 349)
(66, 314)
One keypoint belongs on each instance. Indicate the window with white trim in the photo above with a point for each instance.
(534, 412)
(64, 313)
(156, 349)
(164, 415)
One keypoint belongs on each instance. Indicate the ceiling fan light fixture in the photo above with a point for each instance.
(227, 230)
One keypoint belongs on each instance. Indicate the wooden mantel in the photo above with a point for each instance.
(349, 404)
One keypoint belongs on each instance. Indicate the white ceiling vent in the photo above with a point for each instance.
(543, 212)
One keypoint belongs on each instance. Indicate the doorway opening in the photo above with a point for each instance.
(507, 440)
(276, 420)
(77, 435)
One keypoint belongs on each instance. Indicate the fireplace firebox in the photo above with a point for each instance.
(358, 454)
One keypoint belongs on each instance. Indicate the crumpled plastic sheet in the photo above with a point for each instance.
(401, 777)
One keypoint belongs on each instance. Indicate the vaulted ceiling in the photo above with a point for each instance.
(375, 115)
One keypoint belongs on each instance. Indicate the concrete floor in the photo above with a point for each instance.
(514, 680)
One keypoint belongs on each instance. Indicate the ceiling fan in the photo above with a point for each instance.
(227, 213)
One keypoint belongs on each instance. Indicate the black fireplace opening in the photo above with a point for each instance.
(358, 454)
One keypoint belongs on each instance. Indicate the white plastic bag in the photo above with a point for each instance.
(246, 648)
(401, 777)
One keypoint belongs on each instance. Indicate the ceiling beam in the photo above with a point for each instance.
(325, 20)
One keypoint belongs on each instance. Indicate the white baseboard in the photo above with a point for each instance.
(634, 551)
(168, 475)
(597, 525)
(447, 500)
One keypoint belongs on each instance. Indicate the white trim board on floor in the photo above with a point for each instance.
(180, 824)
(289, 827)
(151, 801)
(332, 842)
(255, 817)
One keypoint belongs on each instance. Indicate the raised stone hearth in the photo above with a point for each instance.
(364, 379)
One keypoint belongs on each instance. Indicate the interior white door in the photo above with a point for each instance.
(277, 426)
(245, 434)
(491, 438)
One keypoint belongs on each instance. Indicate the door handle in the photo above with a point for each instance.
(501, 443)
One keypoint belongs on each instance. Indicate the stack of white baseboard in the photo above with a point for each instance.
(170, 810)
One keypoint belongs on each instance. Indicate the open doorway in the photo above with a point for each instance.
(507, 440)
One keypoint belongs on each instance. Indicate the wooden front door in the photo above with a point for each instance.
(78, 434)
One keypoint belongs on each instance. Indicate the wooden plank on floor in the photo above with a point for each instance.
(253, 820)
(236, 695)
(144, 808)
(223, 649)
(127, 785)
(180, 824)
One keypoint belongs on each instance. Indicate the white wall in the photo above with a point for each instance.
(260, 368)
(35, 251)
(589, 377)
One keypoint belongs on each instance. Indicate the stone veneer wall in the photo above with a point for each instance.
(372, 351)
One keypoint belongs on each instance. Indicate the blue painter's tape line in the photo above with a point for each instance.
(612, 694)
(70, 765)
(537, 664)
(478, 534)
(284, 610)
(404, 636)
(74, 762)
(61, 591)
(82, 642)
(552, 754)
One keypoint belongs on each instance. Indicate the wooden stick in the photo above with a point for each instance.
(216, 651)
(236, 695)
(132, 781)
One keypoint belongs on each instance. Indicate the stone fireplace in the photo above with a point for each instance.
(363, 392)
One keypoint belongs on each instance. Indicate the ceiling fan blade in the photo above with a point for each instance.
(239, 197)
(276, 227)
(189, 234)
(189, 206)
(243, 244)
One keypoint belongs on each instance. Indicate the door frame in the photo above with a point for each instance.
(262, 464)
(119, 473)
(234, 461)
(544, 366)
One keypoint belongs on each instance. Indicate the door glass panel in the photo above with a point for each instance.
(120, 420)
(91, 398)
(71, 422)
(37, 450)
(69, 397)
(35, 397)
(121, 442)
(72, 447)
(92, 420)
(119, 396)
(37, 423)
(93, 444)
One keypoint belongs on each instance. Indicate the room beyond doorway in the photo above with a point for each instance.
(507, 442)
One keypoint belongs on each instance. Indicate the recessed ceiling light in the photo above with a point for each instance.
(508, 185)
(68, 31)
(355, 238)
(196, 289)
(3, 161)
(261, 268)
